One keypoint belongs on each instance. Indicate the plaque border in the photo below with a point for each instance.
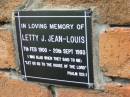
(90, 85)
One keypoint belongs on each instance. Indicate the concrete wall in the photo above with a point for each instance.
(111, 49)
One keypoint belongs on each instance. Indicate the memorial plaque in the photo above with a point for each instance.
(55, 47)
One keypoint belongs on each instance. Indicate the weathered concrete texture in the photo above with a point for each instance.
(122, 90)
(114, 49)
(106, 11)
(115, 11)
(67, 92)
(17, 88)
(7, 55)
(6, 9)
(70, 2)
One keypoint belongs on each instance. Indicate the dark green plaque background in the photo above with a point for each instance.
(50, 74)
